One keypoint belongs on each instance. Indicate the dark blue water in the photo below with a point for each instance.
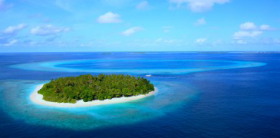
(228, 101)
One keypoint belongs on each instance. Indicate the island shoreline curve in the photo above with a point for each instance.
(37, 98)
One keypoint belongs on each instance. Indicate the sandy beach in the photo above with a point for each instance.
(37, 98)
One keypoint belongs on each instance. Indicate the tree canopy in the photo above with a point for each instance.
(88, 88)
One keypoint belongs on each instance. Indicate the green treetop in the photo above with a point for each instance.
(88, 88)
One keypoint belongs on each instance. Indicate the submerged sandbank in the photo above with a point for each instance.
(38, 99)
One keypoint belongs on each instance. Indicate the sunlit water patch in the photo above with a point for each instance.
(136, 66)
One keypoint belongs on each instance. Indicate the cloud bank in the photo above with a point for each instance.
(49, 29)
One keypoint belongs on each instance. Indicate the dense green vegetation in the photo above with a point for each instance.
(88, 88)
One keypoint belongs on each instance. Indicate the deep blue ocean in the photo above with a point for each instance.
(199, 95)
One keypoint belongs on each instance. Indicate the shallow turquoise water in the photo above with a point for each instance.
(200, 95)
(20, 107)
(137, 66)
(167, 98)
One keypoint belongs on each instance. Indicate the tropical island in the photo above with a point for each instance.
(87, 88)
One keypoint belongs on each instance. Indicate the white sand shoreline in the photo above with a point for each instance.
(37, 98)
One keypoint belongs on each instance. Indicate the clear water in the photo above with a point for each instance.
(200, 95)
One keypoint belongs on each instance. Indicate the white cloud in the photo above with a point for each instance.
(265, 27)
(131, 31)
(198, 5)
(143, 5)
(48, 30)
(244, 34)
(109, 17)
(14, 29)
(250, 30)
(11, 42)
(248, 26)
(200, 21)
(200, 40)
(253, 27)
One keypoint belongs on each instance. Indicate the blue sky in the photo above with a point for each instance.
(139, 25)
